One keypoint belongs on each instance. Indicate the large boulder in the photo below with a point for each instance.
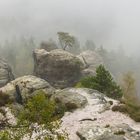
(60, 68)
(5, 73)
(26, 87)
(91, 59)
(70, 100)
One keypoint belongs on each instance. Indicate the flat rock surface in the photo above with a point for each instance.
(96, 113)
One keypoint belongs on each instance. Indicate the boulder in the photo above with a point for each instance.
(7, 118)
(118, 132)
(5, 73)
(91, 59)
(70, 100)
(60, 68)
(91, 94)
(93, 97)
(26, 86)
(88, 73)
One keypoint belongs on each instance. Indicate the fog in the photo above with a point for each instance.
(107, 22)
(113, 24)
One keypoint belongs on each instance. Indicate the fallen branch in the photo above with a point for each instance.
(88, 119)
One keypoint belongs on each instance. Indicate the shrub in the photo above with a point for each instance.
(41, 110)
(102, 82)
(37, 110)
(4, 99)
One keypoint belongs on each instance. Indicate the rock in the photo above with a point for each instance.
(91, 59)
(88, 72)
(5, 73)
(60, 68)
(6, 117)
(89, 93)
(69, 99)
(93, 97)
(27, 86)
(118, 132)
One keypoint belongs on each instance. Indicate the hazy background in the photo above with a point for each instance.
(108, 22)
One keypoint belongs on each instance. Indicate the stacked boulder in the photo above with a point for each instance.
(60, 68)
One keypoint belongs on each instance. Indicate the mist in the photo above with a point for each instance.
(110, 23)
(69, 69)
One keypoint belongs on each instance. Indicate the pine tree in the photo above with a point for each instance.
(103, 82)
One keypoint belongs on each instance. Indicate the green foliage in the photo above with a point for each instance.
(40, 109)
(4, 99)
(37, 110)
(4, 136)
(102, 82)
(14, 133)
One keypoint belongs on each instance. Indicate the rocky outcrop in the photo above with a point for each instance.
(60, 68)
(97, 121)
(26, 86)
(118, 132)
(91, 59)
(70, 100)
(5, 73)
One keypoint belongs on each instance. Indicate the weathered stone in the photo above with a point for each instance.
(118, 132)
(91, 59)
(27, 86)
(60, 68)
(5, 73)
(69, 99)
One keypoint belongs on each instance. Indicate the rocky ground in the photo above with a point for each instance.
(89, 115)
(97, 114)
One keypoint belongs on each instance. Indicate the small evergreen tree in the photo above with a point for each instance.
(102, 82)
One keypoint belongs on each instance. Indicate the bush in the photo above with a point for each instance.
(41, 111)
(102, 82)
